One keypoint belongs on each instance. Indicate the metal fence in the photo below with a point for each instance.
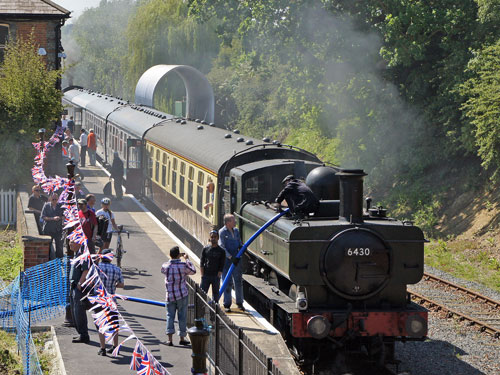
(7, 207)
(230, 350)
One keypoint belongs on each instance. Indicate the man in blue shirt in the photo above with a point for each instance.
(230, 242)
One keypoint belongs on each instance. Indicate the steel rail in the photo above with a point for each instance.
(483, 327)
(470, 293)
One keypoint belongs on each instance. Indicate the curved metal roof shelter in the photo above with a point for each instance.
(199, 93)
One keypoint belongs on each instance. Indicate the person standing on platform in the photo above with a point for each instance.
(175, 272)
(117, 175)
(53, 215)
(90, 198)
(230, 241)
(77, 276)
(111, 279)
(36, 203)
(64, 122)
(65, 152)
(212, 263)
(83, 146)
(71, 125)
(74, 155)
(109, 217)
(89, 224)
(91, 146)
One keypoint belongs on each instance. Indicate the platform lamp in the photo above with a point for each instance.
(41, 134)
(199, 343)
(68, 319)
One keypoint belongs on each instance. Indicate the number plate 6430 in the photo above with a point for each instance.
(357, 251)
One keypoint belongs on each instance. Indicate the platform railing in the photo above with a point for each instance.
(230, 350)
(7, 207)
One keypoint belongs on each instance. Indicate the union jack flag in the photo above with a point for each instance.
(146, 365)
(135, 364)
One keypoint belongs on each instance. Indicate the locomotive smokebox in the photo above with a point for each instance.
(351, 195)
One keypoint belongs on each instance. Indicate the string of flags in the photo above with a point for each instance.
(105, 312)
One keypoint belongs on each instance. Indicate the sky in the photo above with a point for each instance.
(76, 6)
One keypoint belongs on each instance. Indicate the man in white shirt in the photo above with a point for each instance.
(74, 152)
(74, 155)
(83, 146)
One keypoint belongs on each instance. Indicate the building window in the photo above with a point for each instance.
(4, 35)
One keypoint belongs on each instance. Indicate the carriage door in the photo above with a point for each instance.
(133, 183)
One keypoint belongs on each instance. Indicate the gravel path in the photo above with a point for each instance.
(453, 348)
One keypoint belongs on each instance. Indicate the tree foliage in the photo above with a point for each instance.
(391, 86)
(29, 100)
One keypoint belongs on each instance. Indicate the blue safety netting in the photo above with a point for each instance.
(40, 293)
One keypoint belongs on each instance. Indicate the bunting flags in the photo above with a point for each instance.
(106, 316)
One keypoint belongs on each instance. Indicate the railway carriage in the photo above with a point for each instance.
(338, 277)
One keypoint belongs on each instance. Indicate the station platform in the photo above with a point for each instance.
(147, 249)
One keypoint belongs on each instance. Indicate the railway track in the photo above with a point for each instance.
(457, 301)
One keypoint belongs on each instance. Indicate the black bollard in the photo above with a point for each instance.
(199, 344)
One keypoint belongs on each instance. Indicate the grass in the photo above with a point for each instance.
(10, 361)
(45, 357)
(11, 255)
(465, 259)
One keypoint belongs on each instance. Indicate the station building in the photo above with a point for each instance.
(18, 18)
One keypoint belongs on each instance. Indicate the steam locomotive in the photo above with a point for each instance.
(338, 277)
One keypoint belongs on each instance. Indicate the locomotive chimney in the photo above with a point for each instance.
(351, 195)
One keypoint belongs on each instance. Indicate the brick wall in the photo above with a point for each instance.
(36, 246)
(44, 35)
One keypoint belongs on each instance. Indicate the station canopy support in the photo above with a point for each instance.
(199, 92)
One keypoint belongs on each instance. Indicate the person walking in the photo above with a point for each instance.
(92, 146)
(77, 276)
(89, 224)
(117, 175)
(36, 203)
(83, 146)
(175, 272)
(109, 217)
(230, 242)
(112, 278)
(212, 263)
(52, 215)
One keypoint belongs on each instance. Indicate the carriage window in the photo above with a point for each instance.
(200, 178)
(164, 158)
(168, 179)
(183, 168)
(181, 186)
(175, 165)
(252, 185)
(158, 155)
(199, 198)
(190, 192)
(157, 171)
(174, 182)
(191, 173)
(163, 175)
